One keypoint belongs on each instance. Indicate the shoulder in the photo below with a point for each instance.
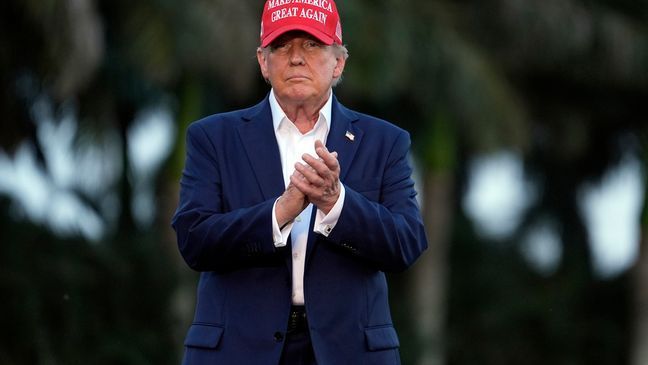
(373, 125)
(224, 121)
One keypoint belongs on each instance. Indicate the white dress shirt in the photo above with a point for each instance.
(292, 145)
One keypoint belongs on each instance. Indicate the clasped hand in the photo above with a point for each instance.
(316, 181)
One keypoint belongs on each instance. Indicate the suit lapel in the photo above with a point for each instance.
(258, 137)
(344, 138)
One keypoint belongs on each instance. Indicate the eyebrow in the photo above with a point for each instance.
(294, 34)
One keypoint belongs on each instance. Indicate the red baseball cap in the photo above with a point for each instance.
(319, 18)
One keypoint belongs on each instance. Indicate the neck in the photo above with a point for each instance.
(304, 114)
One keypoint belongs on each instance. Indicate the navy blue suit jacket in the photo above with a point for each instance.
(231, 180)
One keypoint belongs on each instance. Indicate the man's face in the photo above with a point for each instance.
(300, 68)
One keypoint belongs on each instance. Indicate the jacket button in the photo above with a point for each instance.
(278, 336)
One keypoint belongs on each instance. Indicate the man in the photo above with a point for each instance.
(293, 209)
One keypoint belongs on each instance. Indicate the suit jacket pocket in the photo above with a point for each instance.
(204, 335)
(381, 338)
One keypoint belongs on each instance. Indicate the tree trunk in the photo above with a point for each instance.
(639, 351)
(429, 273)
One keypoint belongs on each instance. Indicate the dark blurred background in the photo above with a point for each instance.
(529, 126)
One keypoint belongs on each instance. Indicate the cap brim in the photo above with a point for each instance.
(287, 28)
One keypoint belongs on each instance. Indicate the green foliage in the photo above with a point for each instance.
(437, 148)
(68, 302)
(503, 312)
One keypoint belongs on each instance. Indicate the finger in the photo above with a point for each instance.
(319, 144)
(325, 175)
(329, 158)
(293, 191)
(316, 164)
(298, 181)
(321, 150)
(302, 184)
(332, 162)
(311, 175)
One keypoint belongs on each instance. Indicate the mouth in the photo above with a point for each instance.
(297, 78)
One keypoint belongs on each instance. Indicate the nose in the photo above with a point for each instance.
(297, 55)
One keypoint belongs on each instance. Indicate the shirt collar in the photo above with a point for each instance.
(278, 114)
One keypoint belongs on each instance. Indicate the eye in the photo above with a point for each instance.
(279, 46)
(310, 44)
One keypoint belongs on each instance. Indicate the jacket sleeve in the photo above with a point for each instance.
(209, 238)
(389, 232)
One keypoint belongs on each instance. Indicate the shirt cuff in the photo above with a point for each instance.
(324, 223)
(280, 235)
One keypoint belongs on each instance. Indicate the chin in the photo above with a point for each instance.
(300, 93)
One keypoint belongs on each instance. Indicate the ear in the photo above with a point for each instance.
(339, 67)
(261, 58)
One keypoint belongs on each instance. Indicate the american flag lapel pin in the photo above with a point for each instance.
(349, 135)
